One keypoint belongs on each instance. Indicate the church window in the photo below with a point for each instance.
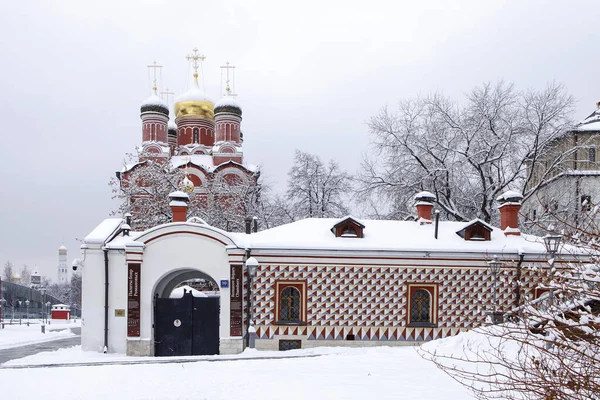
(422, 304)
(291, 302)
(195, 135)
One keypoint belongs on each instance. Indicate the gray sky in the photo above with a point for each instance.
(309, 74)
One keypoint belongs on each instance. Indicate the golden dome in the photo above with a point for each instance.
(194, 103)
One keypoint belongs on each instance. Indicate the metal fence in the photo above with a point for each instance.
(15, 296)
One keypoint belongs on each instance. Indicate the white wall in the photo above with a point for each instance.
(177, 251)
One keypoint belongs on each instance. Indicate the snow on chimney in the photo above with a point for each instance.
(179, 205)
(424, 206)
(510, 205)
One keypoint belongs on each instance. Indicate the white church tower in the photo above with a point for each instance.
(62, 264)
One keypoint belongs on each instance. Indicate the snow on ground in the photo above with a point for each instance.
(337, 373)
(21, 335)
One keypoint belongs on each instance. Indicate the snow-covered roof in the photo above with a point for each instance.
(62, 247)
(178, 292)
(591, 123)
(228, 101)
(102, 232)
(509, 194)
(382, 235)
(424, 194)
(200, 160)
(347, 217)
(193, 94)
(154, 100)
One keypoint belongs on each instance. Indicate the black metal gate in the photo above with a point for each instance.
(188, 326)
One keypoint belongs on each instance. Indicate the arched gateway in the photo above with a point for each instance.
(129, 279)
(186, 321)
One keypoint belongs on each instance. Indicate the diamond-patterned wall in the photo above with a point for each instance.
(370, 302)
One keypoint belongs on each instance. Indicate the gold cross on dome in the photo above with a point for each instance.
(155, 68)
(229, 91)
(195, 59)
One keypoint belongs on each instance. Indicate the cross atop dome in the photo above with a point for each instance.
(196, 59)
(227, 68)
(155, 68)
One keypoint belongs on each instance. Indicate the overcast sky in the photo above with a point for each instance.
(309, 74)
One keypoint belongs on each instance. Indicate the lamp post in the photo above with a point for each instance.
(43, 291)
(552, 243)
(2, 303)
(46, 311)
(20, 311)
(494, 267)
(251, 267)
(27, 305)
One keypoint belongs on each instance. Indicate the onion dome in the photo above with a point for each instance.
(194, 103)
(187, 186)
(228, 104)
(155, 104)
(172, 127)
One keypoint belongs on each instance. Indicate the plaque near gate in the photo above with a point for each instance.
(133, 299)
(235, 293)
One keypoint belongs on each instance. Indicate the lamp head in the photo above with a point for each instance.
(552, 243)
(494, 265)
(252, 266)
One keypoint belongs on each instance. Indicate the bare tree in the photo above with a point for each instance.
(25, 275)
(315, 189)
(223, 203)
(549, 348)
(466, 153)
(8, 272)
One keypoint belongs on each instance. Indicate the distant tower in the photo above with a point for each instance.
(62, 264)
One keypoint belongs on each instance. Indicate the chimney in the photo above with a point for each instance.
(179, 206)
(128, 218)
(424, 204)
(248, 221)
(510, 205)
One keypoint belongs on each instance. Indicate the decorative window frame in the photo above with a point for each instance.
(301, 286)
(433, 289)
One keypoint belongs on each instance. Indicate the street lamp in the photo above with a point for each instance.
(46, 311)
(494, 267)
(552, 243)
(27, 304)
(251, 267)
(2, 302)
(43, 291)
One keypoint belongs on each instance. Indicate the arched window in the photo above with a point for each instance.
(195, 135)
(289, 305)
(420, 306)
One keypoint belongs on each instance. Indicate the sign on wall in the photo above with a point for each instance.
(235, 293)
(133, 299)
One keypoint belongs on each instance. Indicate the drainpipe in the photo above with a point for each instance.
(105, 300)
(437, 222)
(518, 278)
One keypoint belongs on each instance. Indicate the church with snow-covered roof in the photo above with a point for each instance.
(201, 136)
(313, 282)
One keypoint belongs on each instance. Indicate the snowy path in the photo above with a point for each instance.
(32, 349)
(341, 373)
